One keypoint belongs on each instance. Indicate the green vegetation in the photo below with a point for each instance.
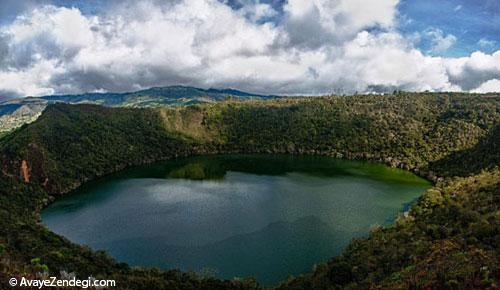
(480, 156)
(69, 145)
(16, 112)
(448, 240)
(159, 96)
(407, 131)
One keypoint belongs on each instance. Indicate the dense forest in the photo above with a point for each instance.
(448, 239)
(18, 111)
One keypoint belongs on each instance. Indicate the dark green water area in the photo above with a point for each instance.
(266, 216)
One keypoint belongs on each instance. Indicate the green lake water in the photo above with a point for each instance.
(266, 216)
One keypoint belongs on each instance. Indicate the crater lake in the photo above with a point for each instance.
(262, 216)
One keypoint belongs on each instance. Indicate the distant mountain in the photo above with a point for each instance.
(16, 112)
(158, 96)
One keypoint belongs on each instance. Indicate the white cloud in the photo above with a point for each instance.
(34, 80)
(471, 72)
(489, 86)
(439, 41)
(486, 43)
(362, 13)
(387, 60)
(318, 22)
(319, 47)
(256, 11)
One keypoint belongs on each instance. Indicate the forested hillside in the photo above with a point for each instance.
(473, 160)
(71, 144)
(408, 130)
(448, 240)
(16, 112)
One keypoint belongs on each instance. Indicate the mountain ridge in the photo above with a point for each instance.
(16, 112)
(447, 238)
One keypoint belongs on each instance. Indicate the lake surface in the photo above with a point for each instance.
(267, 216)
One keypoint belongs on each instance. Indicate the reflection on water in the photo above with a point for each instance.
(264, 216)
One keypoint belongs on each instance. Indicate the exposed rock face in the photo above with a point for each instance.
(25, 171)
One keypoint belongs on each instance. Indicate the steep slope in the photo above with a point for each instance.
(403, 131)
(69, 145)
(15, 112)
(406, 131)
(448, 238)
(485, 154)
(66, 146)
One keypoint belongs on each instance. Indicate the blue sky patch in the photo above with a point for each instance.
(475, 24)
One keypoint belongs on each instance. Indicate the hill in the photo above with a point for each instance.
(448, 240)
(475, 159)
(15, 112)
(158, 96)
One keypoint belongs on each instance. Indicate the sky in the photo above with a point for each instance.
(288, 47)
